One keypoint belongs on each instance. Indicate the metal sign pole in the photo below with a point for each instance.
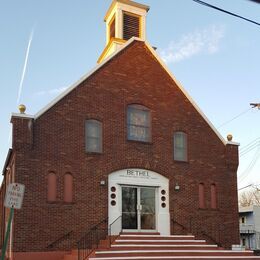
(7, 234)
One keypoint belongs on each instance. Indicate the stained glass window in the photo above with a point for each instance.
(138, 123)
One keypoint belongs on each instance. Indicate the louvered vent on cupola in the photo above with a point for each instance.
(131, 26)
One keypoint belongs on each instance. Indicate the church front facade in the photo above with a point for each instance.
(125, 146)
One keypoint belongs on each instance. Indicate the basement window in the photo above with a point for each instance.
(131, 26)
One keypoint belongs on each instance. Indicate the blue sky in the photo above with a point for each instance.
(216, 57)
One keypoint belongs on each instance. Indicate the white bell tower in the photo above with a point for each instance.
(124, 19)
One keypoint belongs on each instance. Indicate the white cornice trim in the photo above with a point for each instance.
(22, 115)
(233, 143)
(129, 42)
(68, 90)
(185, 93)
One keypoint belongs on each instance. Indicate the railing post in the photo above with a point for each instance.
(190, 225)
(172, 225)
(78, 251)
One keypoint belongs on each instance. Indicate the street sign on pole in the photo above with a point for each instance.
(14, 196)
(13, 199)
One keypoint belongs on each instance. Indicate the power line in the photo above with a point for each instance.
(225, 11)
(246, 187)
(256, 1)
(232, 119)
(249, 148)
(250, 185)
(251, 165)
(249, 144)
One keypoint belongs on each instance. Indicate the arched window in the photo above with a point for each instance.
(138, 123)
(201, 196)
(93, 135)
(68, 187)
(52, 187)
(180, 146)
(213, 193)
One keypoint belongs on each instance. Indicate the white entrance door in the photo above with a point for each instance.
(138, 208)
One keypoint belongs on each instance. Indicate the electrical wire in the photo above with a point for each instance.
(251, 165)
(250, 185)
(232, 119)
(225, 11)
(249, 149)
(249, 144)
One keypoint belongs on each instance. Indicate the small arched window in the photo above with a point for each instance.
(180, 146)
(138, 123)
(93, 129)
(52, 187)
(68, 187)
(213, 193)
(201, 196)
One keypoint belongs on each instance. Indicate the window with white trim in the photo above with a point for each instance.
(138, 123)
(180, 147)
(93, 135)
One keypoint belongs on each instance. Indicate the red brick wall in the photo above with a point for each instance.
(134, 76)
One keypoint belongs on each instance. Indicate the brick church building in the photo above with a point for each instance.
(126, 149)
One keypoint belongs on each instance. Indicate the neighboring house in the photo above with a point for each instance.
(125, 143)
(249, 218)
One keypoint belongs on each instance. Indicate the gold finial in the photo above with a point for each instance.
(22, 108)
(229, 137)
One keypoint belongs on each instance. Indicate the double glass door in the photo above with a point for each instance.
(138, 208)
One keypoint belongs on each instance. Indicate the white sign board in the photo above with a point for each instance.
(14, 196)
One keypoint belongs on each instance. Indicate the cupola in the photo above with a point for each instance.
(124, 19)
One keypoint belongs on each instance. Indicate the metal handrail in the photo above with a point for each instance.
(192, 229)
(91, 239)
(61, 239)
(111, 240)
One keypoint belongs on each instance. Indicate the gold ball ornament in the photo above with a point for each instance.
(229, 137)
(22, 108)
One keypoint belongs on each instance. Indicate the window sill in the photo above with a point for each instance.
(60, 203)
(208, 209)
(140, 142)
(93, 153)
(179, 161)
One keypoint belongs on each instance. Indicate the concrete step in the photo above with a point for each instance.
(159, 241)
(178, 258)
(157, 237)
(156, 252)
(162, 247)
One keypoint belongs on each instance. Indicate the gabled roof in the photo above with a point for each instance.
(128, 43)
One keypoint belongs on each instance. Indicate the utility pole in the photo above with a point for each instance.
(255, 105)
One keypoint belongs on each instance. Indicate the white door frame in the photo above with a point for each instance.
(138, 177)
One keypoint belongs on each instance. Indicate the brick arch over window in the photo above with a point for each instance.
(68, 187)
(213, 196)
(201, 196)
(138, 123)
(52, 187)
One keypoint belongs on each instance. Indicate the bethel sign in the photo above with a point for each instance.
(14, 196)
